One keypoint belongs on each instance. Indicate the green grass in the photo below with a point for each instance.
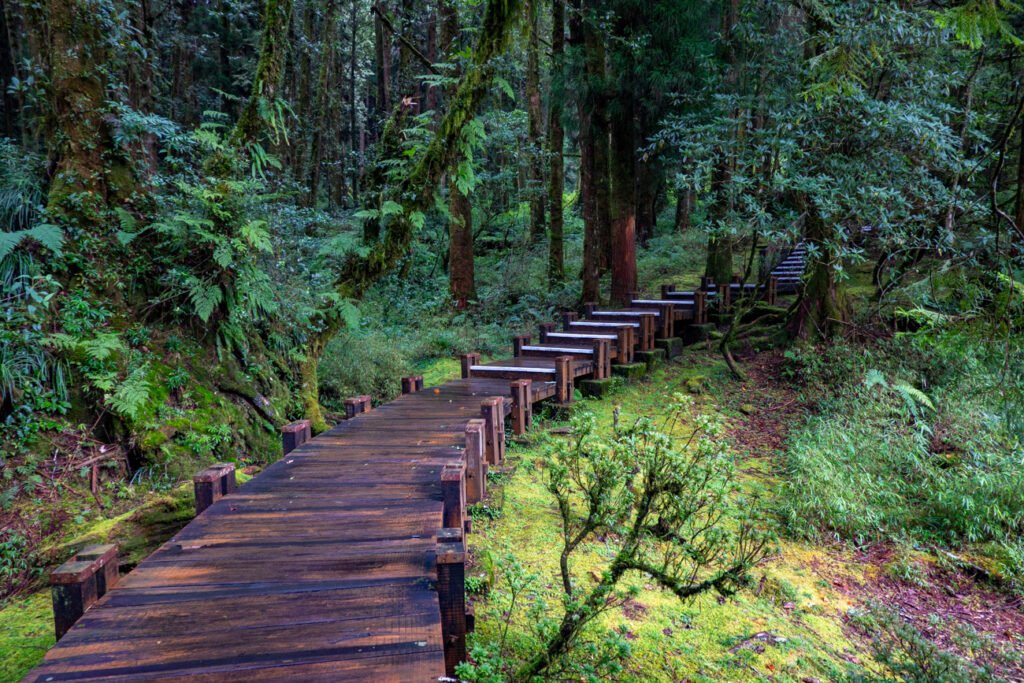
(26, 633)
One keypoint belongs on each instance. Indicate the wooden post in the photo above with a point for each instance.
(602, 363)
(545, 328)
(624, 343)
(518, 342)
(736, 279)
(522, 406)
(493, 412)
(105, 557)
(667, 313)
(227, 477)
(773, 290)
(665, 289)
(73, 590)
(295, 434)
(706, 283)
(468, 360)
(412, 384)
(647, 327)
(453, 491)
(568, 318)
(207, 488)
(563, 379)
(724, 299)
(700, 313)
(476, 453)
(589, 308)
(451, 596)
(366, 403)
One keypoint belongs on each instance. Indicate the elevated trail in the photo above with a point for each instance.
(345, 559)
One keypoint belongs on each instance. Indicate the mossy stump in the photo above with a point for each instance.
(597, 388)
(630, 371)
(673, 346)
(651, 358)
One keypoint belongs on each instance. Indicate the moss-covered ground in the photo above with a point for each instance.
(790, 626)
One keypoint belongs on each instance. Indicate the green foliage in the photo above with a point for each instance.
(882, 460)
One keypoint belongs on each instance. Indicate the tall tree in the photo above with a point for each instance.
(266, 81)
(461, 274)
(556, 144)
(535, 152)
(623, 184)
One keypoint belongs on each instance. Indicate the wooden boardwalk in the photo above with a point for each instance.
(322, 567)
(345, 560)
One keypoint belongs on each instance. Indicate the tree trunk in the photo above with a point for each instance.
(267, 79)
(9, 123)
(382, 67)
(556, 143)
(352, 65)
(821, 306)
(535, 144)
(623, 196)
(323, 91)
(461, 276)
(88, 171)
(592, 245)
(1019, 199)
(598, 94)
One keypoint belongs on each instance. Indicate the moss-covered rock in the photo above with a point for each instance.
(697, 333)
(696, 385)
(651, 358)
(673, 346)
(596, 388)
(630, 371)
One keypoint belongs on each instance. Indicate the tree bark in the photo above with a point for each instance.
(267, 79)
(623, 195)
(593, 143)
(323, 91)
(352, 65)
(383, 64)
(1019, 199)
(535, 154)
(9, 126)
(556, 143)
(821, 306)
(461, 275)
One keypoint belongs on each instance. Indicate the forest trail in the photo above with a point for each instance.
(335, 559)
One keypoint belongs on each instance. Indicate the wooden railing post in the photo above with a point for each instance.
(412, 384)
(518, 342)
(468, 360)
(602, 367)
(724, 299)
(563, 379)
(773, 290)
(208, 488)
(545, 328)
(668, 320)
(493, 412)
(476, 453)
(665, 289)
(73, 589)
(700, 313)
(453, 491)
(357, 406)
(295, 434)
(451, 596)
(105, 557)
(589, 308)
(624, 343)
(647, 327)
(568, 318)
(706, 283)
(227, 477)
(522, 407)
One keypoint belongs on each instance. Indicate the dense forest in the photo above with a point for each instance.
(217, 217)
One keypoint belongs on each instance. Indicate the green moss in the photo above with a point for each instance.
(630, 371)
(651, 358)
(26, 633)
(597, 388)
(673, 346)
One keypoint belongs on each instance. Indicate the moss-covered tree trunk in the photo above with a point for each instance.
(461, 275)
(623, 195)
(593, 137)
(556, 142)
(266, 81)
(323, 99)
(821, 306)
(535, 140)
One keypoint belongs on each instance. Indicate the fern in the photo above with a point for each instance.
(128, 397)
(913, 398)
